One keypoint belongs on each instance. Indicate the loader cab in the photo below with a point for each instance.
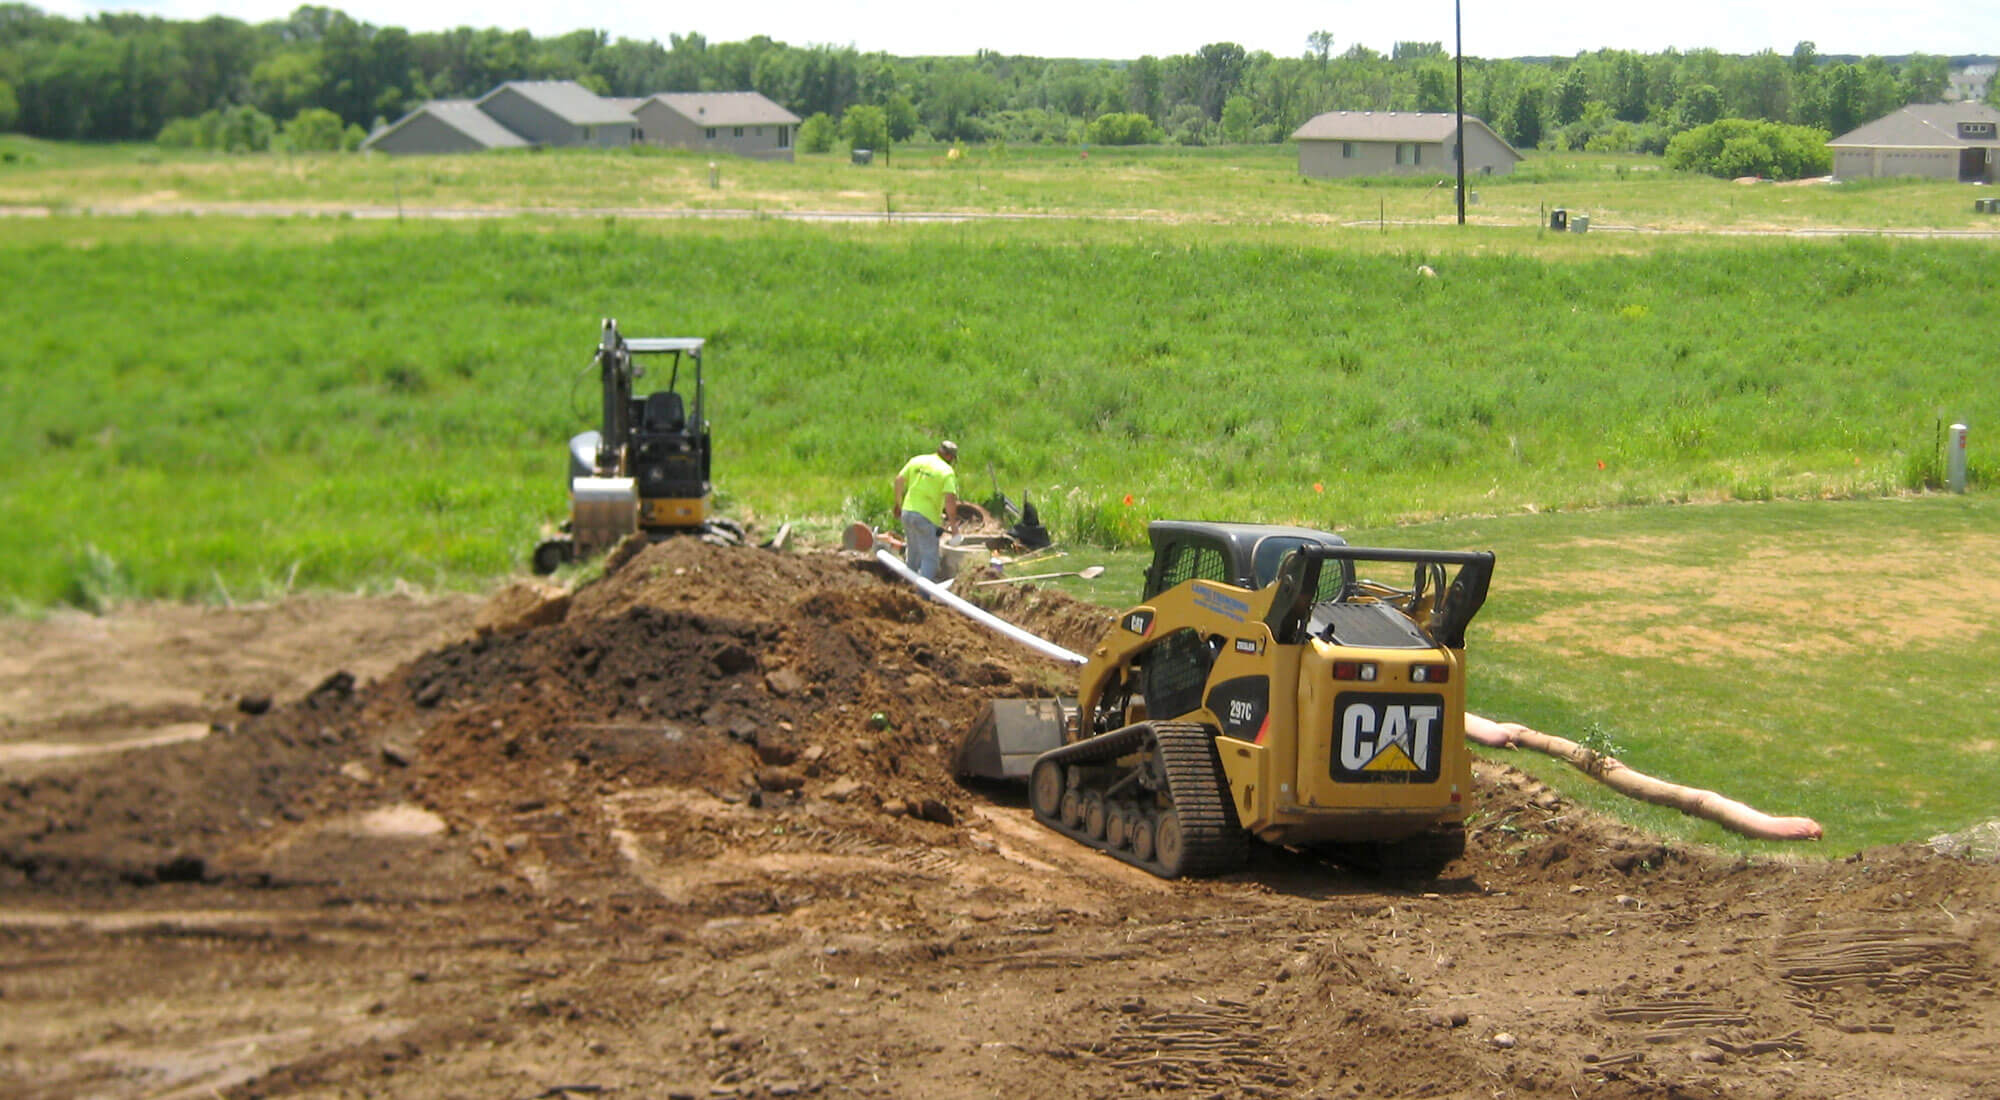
(1246, 555)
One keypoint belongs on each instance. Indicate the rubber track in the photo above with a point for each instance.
(1212, 840)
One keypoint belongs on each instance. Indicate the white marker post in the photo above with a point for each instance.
(1954, 462)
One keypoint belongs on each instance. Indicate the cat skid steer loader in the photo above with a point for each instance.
(1270, 685)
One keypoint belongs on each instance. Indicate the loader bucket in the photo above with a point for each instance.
(1009, 735)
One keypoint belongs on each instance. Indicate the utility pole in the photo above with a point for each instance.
(1458, 64)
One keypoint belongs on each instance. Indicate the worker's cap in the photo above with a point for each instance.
(948, 448)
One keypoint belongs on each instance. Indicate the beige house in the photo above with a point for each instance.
(1398, 143)
(744, 123)
(1945, 141)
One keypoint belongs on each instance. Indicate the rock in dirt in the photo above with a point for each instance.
(399, 752)
(784, 681)
(335, 688)
(776, 753)
(732, 659)
(841, 790)
(523, 605)
(779, 780)
(931, 809)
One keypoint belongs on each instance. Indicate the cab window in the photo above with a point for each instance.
(1188, 562)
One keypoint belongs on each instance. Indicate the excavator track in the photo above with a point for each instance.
(1168, 812)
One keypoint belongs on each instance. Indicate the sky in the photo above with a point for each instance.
(1121, 30)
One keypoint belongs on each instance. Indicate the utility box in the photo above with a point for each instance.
(1580, 224)
(1559, 219)
(864, 156)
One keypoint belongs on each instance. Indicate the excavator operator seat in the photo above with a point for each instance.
(665, 414)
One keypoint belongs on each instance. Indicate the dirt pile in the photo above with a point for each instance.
(750, 676)
(163, 815)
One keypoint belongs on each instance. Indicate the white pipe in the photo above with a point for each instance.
(978, 614)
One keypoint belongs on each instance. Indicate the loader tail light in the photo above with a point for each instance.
(1354, 670)
(1429, 674)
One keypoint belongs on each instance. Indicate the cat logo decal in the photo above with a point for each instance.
(1392, 738)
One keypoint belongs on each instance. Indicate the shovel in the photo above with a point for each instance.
(1046, 554)
(1086, 574)
(1000, 501)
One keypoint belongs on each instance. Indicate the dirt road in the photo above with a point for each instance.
(698, 838)
(364, 212)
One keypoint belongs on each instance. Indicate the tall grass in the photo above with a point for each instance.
(329, 403)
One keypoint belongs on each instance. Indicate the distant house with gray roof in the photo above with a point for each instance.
(444, 126)
(523, 113)
(744, 123)
(1945, 141)
(558, 112)
(1340, 144)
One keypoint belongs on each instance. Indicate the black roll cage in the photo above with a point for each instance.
(1297, 586)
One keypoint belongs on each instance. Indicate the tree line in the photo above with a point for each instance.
(321, 79)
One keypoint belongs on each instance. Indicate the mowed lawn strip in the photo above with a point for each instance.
(1831, 659)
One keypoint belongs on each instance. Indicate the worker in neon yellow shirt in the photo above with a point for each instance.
(927, 501)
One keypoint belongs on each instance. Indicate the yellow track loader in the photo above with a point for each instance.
(1273, 683)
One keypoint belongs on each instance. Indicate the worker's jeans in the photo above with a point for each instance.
(921, 554)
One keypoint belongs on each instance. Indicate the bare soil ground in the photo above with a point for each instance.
(697, 837)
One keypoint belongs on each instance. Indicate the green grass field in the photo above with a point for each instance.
(1829, 659)
(219, 408)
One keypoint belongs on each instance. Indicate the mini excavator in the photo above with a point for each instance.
(1266, 686)
(647, 468)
